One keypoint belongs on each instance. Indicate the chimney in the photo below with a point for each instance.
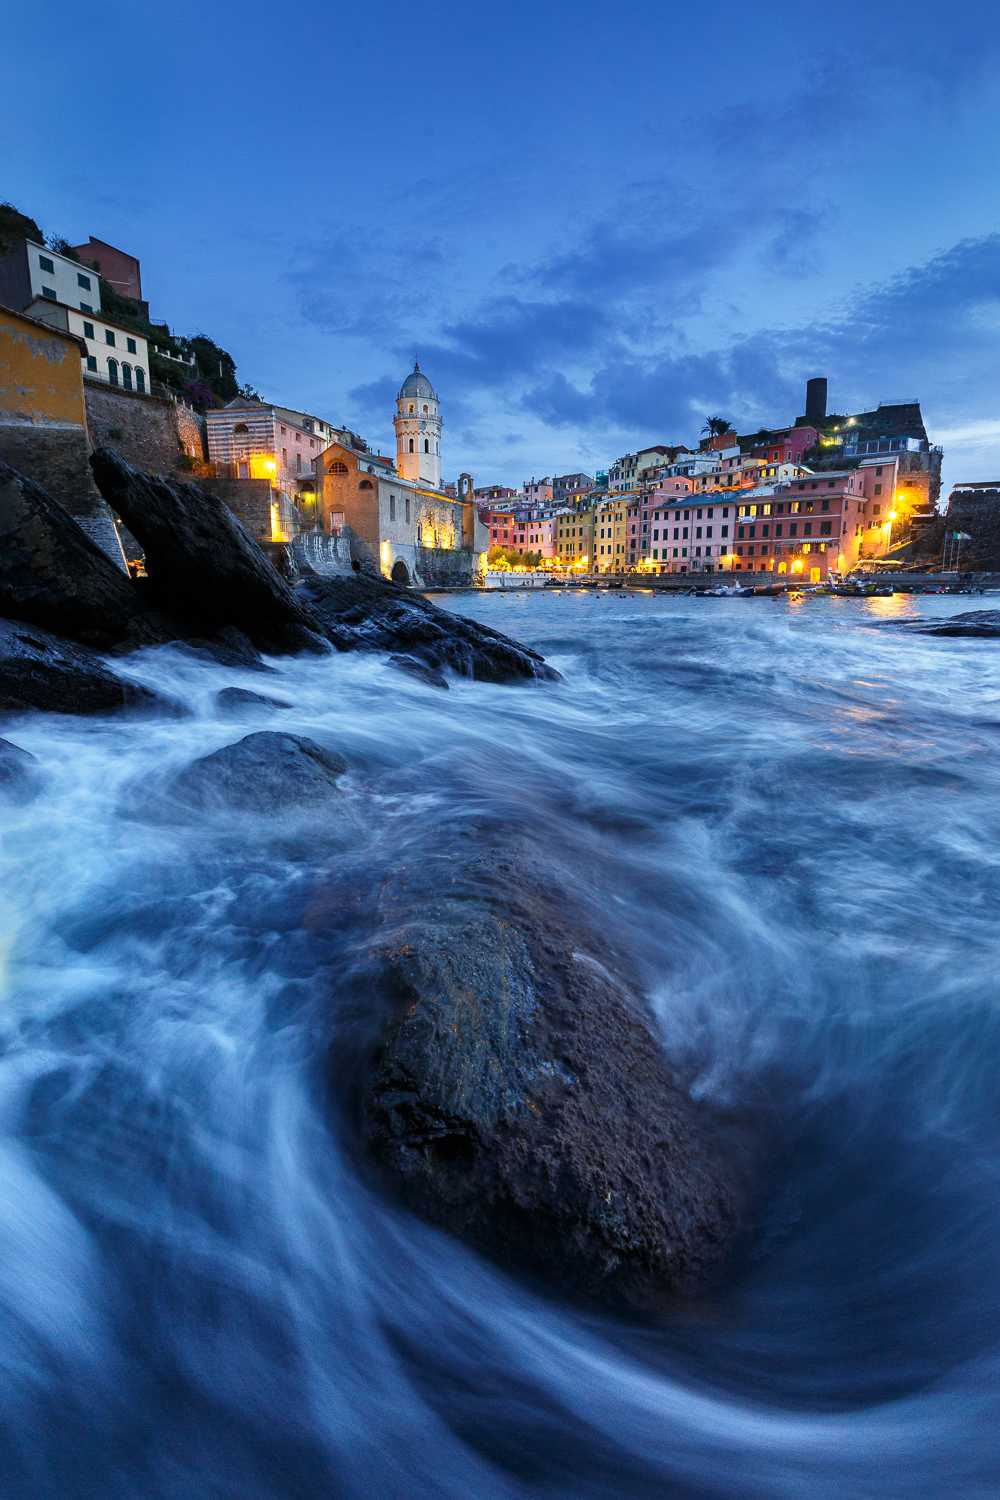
(816, 401)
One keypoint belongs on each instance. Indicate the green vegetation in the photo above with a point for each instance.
(509, 557)
(16, 226)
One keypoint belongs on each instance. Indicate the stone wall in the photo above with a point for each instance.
(451, 567)
(56, 458)
(329, 556)
(148, 425)
(249, 500)
(191, 432)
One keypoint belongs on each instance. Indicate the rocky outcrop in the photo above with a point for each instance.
(201, 563)
(52, 574)
(519, 1097)
(19, 779)
(262, 773)
(38, 670)
(360, 613)
(419, 669)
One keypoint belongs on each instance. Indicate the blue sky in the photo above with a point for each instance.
(595, 223)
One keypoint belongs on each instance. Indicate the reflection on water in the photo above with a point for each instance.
(788, 812)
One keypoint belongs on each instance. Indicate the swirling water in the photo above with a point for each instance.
(786, 812)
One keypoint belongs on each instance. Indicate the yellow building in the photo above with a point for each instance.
(609, 534)
(43, 420)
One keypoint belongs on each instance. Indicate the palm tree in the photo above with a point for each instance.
(716, 426)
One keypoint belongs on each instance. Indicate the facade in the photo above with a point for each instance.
(250, 439)
(30, 272)
(537, 493)
(496, 494)
(418, 431)
(567, 487)
(112, 353)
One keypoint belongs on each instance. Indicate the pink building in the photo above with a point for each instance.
(520, 533)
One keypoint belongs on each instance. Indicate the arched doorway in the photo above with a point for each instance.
(400, 573)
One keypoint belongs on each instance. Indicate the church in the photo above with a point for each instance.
(402, 523)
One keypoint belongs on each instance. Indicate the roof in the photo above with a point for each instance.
(416, 385)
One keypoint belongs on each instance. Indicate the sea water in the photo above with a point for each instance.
(787, 814)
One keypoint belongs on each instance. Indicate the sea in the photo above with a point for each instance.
(787, 813)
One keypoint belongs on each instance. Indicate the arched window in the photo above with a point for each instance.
(411, 445)
(241, 427)
(140, 380)
(365, 484)
(113, 371)
(420, 533)
(338, 468)
(127, 377)
(425, 410)
(427, 446)
(411, 405)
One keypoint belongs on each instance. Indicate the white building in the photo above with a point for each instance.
(114, 354)
(418, 431)
(29, 272)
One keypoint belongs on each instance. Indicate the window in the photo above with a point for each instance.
(298, 463)
(86, 307)
(91, 362)
(48, 292)
(807, 529)
(824, 528)
(411, 406)
(335, 468)
(365, 484)
(425, 408)
(46, 265)
(127, 377)
(113, 371)
(83, 281)
(427, 446)
(130, 346)
(109, 337)
(392, 507)
(420, 533)
(88, 330)
(284, 456)
(241, 427)
(878, 487)
(406, 506)
(140, 380)
(411, 443)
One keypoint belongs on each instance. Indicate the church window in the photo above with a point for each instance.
(406, 505)
(420, 532)
(337, 468)
(392, 507)
(427, 446)
(411, 406)
(365, 484)
(425, 408)
(411, 445)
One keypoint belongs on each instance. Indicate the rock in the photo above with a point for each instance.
(519, 1097)
(418, 669)
(200, 561)
(976, 622)
(52, 574)
(233, 702)
(37, 670)
(266, 772)
(18, 773)
(361, 613)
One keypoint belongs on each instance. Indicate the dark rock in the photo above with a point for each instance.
(976, 622)
(361, 613)
(266, 772)
(18, 773)
(520, 1098)
(200, 561)
(37, 670)
(418, 669)
(233, 702)
(52, 574)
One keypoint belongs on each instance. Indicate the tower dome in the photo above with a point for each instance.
(418, 431)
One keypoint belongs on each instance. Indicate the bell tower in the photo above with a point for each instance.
(418, 431)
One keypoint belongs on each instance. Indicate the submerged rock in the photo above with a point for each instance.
(233, 702)
(265, 772)
(361, 613)
(19, 780)
(419, 669)
(52, 574)
(975, 622)
(38, 670)
(520, 1098)
(200, 561)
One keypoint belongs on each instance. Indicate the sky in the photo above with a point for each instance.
(594, 224)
